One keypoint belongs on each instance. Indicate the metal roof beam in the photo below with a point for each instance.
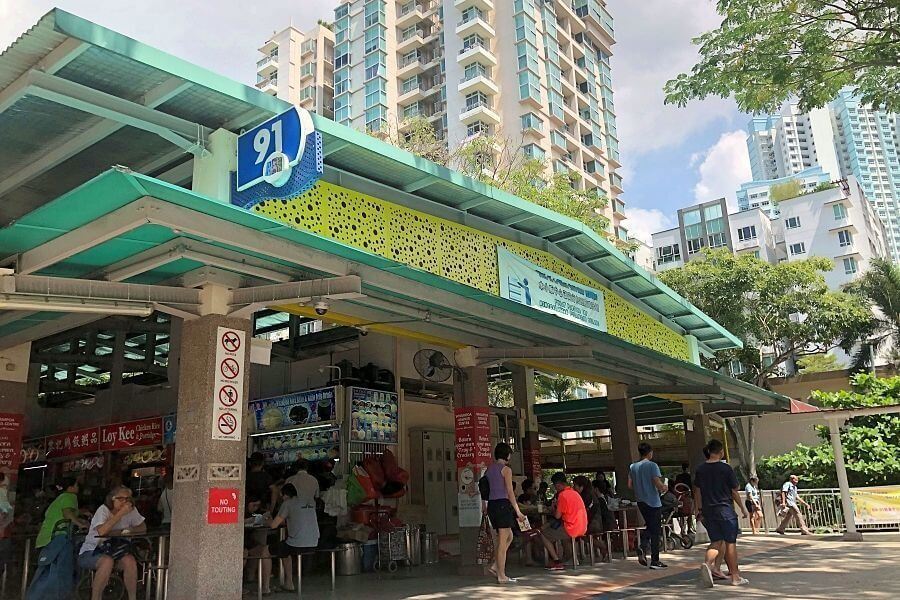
(569, 236)
(246, 301)
(334, 147)
(516, 219)
(635, 391)
(58, 58)
(474, 203)
(180, 132)
(47, 328)
(418, 184)
(623, 277)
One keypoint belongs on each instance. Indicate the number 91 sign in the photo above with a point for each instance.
(270, 150)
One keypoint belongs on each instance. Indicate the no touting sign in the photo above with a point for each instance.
(228, 395)
(223, 506)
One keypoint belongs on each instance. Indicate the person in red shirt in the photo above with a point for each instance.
(571, 519)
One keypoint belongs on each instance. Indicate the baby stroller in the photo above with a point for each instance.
(674, 505)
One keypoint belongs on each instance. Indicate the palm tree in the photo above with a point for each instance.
(559, 387)
(880, 286)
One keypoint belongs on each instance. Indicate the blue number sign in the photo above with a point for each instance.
(269, 151)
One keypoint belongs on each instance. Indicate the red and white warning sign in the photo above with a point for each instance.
(223, 506)
(228, 396)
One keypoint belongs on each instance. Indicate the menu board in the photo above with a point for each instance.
(374, 416)
(295, 410)
(287, 447)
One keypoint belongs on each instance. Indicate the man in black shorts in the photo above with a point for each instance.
(715, 494)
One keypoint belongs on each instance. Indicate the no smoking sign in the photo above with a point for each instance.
(227, 424)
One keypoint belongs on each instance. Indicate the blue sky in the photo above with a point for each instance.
(672, 157)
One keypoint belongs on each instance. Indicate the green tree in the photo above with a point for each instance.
(819, 363)
(880, 288)
(767, 51)
(870, 443)
(500, 393)
(783, 191)
(559, 387)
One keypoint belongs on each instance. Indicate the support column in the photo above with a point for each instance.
(470, 390)
(695, 433)
(851, 535)
(205, 559)
(212, 169)
(523, 397)
(623, 431)
(14, 372)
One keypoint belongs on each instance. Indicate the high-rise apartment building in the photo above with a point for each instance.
(536, 72)
(844, 139)
(299, 68)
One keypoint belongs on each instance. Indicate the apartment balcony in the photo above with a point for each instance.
(415, 66)
(477, 83)
(414, 95)
(482, 4)
(416, 40)
(267, 65)
(475, 25)
(480, 112)
(410, 14)
(615, 182)
(440, 109)
(269, 86)
(477, 51)
(268, 47)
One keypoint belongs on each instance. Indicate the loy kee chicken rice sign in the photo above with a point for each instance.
(134, 434)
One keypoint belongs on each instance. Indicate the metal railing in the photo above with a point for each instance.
(824, 515)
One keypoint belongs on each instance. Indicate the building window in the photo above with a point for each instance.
(840, 212)
(849, 265)
(792, 223)
(532, 121)
(845, 238)
(691, 217)
(667, 254)
(694, 246)
(798, 248)
(477, 128)
(746, 233)
(713, 212)
(476, 99)
(717, 240)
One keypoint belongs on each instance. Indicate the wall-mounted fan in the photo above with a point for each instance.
(432, 365)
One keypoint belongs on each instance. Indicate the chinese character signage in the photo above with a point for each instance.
(134, 434)
(295, 410)
(72, 443)
(10, 441)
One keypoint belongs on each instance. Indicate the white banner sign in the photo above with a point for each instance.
(228, 393)
(526, 283)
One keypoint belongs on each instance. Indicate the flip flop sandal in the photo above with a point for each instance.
(720, 577)
(508, 580)
(741, 581)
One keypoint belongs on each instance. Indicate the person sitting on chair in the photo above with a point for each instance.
(571, 520)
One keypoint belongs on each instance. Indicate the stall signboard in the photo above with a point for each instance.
(296, 410)
(374, 416)
(473, 455)
(228, 392)
(33, 451)
(223, 506)
(532, 463)
(526, 283)
(10, 441)
(73, 443)
(169, 425)
(133, 434)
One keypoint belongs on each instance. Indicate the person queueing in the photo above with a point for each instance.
(715, 494)
(752, 502)
(116, 515)
(299, 517)
(645, 478)
(63, 508)
(502, 509)
(571, 520)
(790, 498)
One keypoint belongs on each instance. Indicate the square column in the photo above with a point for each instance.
(523, 397)
(623, 431)
(696, 426)
(205, 559)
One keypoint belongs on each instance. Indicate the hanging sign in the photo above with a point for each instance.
(73, 443)
(228, 392)
(526, 283)
(133, 434)
(269, 151)
(473, 455)
(10, 441)
(311, 407)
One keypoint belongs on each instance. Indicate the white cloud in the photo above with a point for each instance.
(642, 223)
(653, 46)
(725, 166)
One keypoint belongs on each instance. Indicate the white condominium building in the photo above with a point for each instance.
(299, 68)
(536, 72)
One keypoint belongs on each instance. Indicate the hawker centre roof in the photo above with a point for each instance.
(77, 100)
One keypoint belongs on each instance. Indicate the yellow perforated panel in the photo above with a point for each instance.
(450, 250)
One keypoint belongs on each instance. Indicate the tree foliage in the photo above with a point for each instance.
(558, 387)
(785, 309)
(767, 51)
(880, 288)
(819, 363)
(869, 443)
(783, 191)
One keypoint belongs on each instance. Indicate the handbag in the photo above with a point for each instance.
(485, 549)
(115, 548)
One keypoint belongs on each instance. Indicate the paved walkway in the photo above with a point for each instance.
(777, 567)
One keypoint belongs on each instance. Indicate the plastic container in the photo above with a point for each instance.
(369, 556)
(430, 550)
(414, 544)
(349, 559)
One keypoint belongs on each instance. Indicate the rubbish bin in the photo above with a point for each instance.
(414, 544)
(370, 555)
(429, 547)
(349, 559)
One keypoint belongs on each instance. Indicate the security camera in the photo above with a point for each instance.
(363, 330)
(321, 307)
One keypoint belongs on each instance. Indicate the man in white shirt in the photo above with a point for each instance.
(790, 498)
(306, 485)
(166, 500)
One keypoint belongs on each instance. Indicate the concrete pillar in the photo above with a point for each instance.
(834, 429)
(623, 432)
(696, 425)
(14, 372)
(470, 389)
(205, 559)
(523, 397)
(212, 169)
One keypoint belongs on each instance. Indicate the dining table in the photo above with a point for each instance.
(161, 536)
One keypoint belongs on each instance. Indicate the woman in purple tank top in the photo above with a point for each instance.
(502, 508)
